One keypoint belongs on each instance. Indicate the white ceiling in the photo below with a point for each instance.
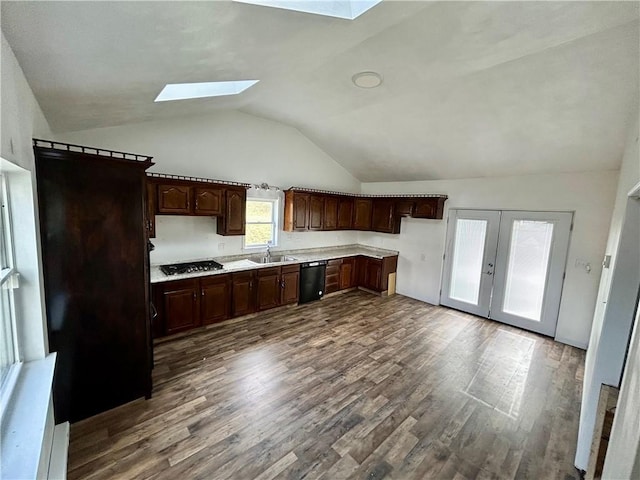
(470, 88)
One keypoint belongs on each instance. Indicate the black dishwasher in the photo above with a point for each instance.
(312, 281)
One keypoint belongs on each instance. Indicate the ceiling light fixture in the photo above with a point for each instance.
(347, 9)
(367, 79)
(184, 91)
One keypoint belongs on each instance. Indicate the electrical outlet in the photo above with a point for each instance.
(221, 246)
(423, 257)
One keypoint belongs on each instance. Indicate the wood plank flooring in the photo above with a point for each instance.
(353, 386)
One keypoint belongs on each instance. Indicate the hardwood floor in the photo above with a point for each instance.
(353, 386)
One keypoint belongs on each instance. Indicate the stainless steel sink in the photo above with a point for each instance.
(273, 259)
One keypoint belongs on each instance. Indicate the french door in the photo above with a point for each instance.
(507, 265)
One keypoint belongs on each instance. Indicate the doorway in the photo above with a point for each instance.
(507, 265)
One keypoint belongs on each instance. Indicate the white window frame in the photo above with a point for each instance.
(9, 282)
(274, 222)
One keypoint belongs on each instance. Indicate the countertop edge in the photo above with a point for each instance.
(332, 253)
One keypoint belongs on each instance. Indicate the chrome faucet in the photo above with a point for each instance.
(269, 249)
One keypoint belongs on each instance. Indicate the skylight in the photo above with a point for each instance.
(183, 91)
(348, 9)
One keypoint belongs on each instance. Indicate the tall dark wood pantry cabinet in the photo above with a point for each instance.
(96, 277)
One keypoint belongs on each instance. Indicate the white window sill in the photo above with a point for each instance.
(24, 421)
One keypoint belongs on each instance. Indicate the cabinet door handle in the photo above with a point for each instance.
(282, 284)
(194, 295)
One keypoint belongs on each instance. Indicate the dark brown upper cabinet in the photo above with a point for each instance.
(232, 221)
(296, 211)
(174, 199)
(330, 213)
(405, 207)
(345, 213)
(316, 212)
(362, 213)
(429, 207)
(208, 201)
(384, 218)
(306, 210)
(180, 196)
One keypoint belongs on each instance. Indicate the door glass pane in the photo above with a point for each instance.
(466, 266)
(527, 268)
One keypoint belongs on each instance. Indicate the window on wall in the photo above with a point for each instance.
(9, 356)
(262, 223)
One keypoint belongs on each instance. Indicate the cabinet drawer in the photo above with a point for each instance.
(266, 272)
(332, 270)
(333, 278)
(291, 268)
(334, 262)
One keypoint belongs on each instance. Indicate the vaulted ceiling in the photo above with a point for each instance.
(470, 88)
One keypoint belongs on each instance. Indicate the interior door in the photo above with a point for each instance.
(532, 254)
(470, 257)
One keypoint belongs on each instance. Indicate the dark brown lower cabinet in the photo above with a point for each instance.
(347, 273)
(332, 278)
(215, 292)
(372, 274)
(243, 294)
(290, 284)
(269, 289)
(186, 304)
(180, 304)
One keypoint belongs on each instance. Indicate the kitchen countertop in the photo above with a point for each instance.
(237, 263)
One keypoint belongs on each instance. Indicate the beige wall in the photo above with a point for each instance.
(22, 119)
(422, 242)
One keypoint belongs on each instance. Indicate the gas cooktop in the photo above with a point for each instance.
(178, 268)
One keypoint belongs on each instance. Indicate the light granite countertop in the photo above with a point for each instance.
(237, 263)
